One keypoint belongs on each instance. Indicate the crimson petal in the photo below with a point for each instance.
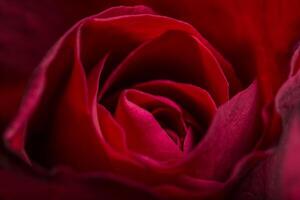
(231, 135)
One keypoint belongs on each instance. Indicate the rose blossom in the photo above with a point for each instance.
(137, 102)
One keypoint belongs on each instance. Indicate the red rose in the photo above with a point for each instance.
(135, 102)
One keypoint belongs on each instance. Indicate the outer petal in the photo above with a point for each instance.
(231, 136)
(160, 59)
(290, 161)
(288, 103)
(61, 72)
(28, 30)
(249, 33)
(278, 177)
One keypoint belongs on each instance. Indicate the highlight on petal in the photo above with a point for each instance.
(295, 62)
(143, 133)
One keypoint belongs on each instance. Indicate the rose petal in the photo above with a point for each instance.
(143, 133)
(195, 100)
(60, 86)
(111, 129)
(231, 135)
(288, 161)
(279, 174)
(192, 63)
(254, 34)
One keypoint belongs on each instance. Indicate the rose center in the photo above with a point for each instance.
(176, 122)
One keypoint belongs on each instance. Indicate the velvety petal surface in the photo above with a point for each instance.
(231, 135)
